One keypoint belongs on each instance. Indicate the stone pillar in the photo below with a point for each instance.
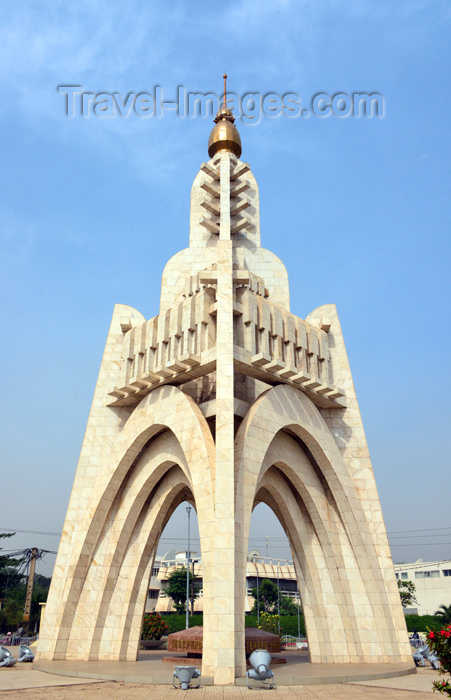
(224, 584)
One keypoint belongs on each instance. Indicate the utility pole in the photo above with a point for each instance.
(27, 608)
(28, 559)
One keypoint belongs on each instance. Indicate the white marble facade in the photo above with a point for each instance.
(225, 399)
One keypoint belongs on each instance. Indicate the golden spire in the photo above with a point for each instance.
(224, 135)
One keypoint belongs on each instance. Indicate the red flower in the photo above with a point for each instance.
(445, 633)
(431, 635)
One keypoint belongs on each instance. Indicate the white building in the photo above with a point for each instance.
(154, 588)
(258, 567)
(432, 582)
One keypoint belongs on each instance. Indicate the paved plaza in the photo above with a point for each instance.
(410, 688)
(24, 683)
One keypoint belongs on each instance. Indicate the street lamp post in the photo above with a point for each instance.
(299, 615)
(188, 510)
(193, 583)
(258, 598)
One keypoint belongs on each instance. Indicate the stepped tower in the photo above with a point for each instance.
(225, 399)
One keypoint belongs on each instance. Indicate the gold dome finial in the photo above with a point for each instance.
(224, 135)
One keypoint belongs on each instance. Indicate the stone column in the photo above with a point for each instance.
(224, 569)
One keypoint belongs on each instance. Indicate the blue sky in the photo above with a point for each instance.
(358, 209)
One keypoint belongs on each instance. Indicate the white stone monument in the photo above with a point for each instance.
(225, 399)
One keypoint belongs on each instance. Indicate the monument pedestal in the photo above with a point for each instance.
(190, 641)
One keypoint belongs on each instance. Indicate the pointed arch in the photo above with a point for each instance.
(172, 420)
(284, 448)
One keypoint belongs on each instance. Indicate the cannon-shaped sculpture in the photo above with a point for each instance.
(25, 654)
(422, 653)
(6, 658)
(185, 674)
(260, 660)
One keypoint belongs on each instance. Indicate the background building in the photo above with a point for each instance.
(432, 582)
(278, 571)
(154, 588)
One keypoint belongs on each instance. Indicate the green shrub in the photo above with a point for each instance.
(269, 623)
(422, 623)
(176, 623)
(250, 620)
(288, 624)
(153, 627)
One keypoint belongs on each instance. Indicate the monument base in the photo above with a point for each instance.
(150, 668)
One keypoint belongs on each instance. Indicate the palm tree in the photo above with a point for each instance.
(444, 613)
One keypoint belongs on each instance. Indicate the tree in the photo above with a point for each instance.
(287, 607)
(11, 579)
(176, 588)
(267, 594)
(13, 586)
(407, 593)
(444, 613)
(11, 613)
(9, 569)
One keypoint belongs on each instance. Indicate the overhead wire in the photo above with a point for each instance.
(393, 534)
(423, 544)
